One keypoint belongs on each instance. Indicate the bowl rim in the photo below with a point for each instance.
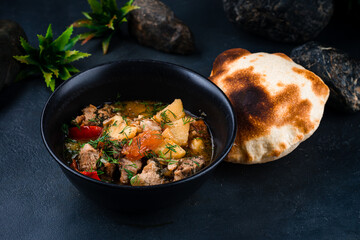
(203, 171)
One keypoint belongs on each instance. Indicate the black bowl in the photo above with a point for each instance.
(138, 80)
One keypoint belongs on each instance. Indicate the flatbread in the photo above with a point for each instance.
(278, 103)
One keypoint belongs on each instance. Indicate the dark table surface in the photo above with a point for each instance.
(313, 193)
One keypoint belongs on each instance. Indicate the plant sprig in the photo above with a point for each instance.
(104, 20)
(53, 57)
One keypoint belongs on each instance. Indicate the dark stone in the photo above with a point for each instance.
(10, 33)
(155, 25)
(340, 72)
(280, 20)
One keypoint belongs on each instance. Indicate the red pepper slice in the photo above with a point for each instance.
(85, 132)
(92, 174)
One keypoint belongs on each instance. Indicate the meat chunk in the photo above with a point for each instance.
(172, 165)
(88, 157)
(150, 175)
(105, 112)
(198, 129)
(79, 119)
(128, 169)
(187, 167)
(88, 117)
(110, 169)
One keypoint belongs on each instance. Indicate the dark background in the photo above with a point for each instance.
(313, 193)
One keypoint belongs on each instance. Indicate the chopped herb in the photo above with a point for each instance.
(132, 165)
(150, 154)
(125, 120)
(172, 113)
(138, 144)
(93, 120)
(161, 155)
(195, 162)
(123, 131)
(76, 125)
(130, 173)
(165, 120)
(171, 148)
(153, 108)
(135, 180)
(158, 107)
(187, 119)
(170, 161)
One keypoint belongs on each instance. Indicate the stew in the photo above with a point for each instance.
(137, 143)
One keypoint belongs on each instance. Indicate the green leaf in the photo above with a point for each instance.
(86, 37)
(81, 23)
(42, 43)
(112, 4)
(52, 84)
(72, 43)
(26, 45)
(103, 23)
(105, 43)
(27, 59)
(72, 69)
(87, 15)
(71, 56)
(111, 23)
(52, 59)
(48, 77)
(23, 59)
(130, 2)
(95, 6)
(64, 73)
(128, 8)
(49, 34)
(60, 43)
(54, 70)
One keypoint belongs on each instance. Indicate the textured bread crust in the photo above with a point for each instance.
(278, 103)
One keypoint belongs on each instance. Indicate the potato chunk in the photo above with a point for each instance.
(119, 129)
(197, 145)
(172, 112)
(170, 150)
(178, 131)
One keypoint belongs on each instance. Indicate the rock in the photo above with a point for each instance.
(155, 25)
(340, 72)
(280, 20)
(10, 33)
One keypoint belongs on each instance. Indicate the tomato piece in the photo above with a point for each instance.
(92, 174)
(85, 132)
(142, 143)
